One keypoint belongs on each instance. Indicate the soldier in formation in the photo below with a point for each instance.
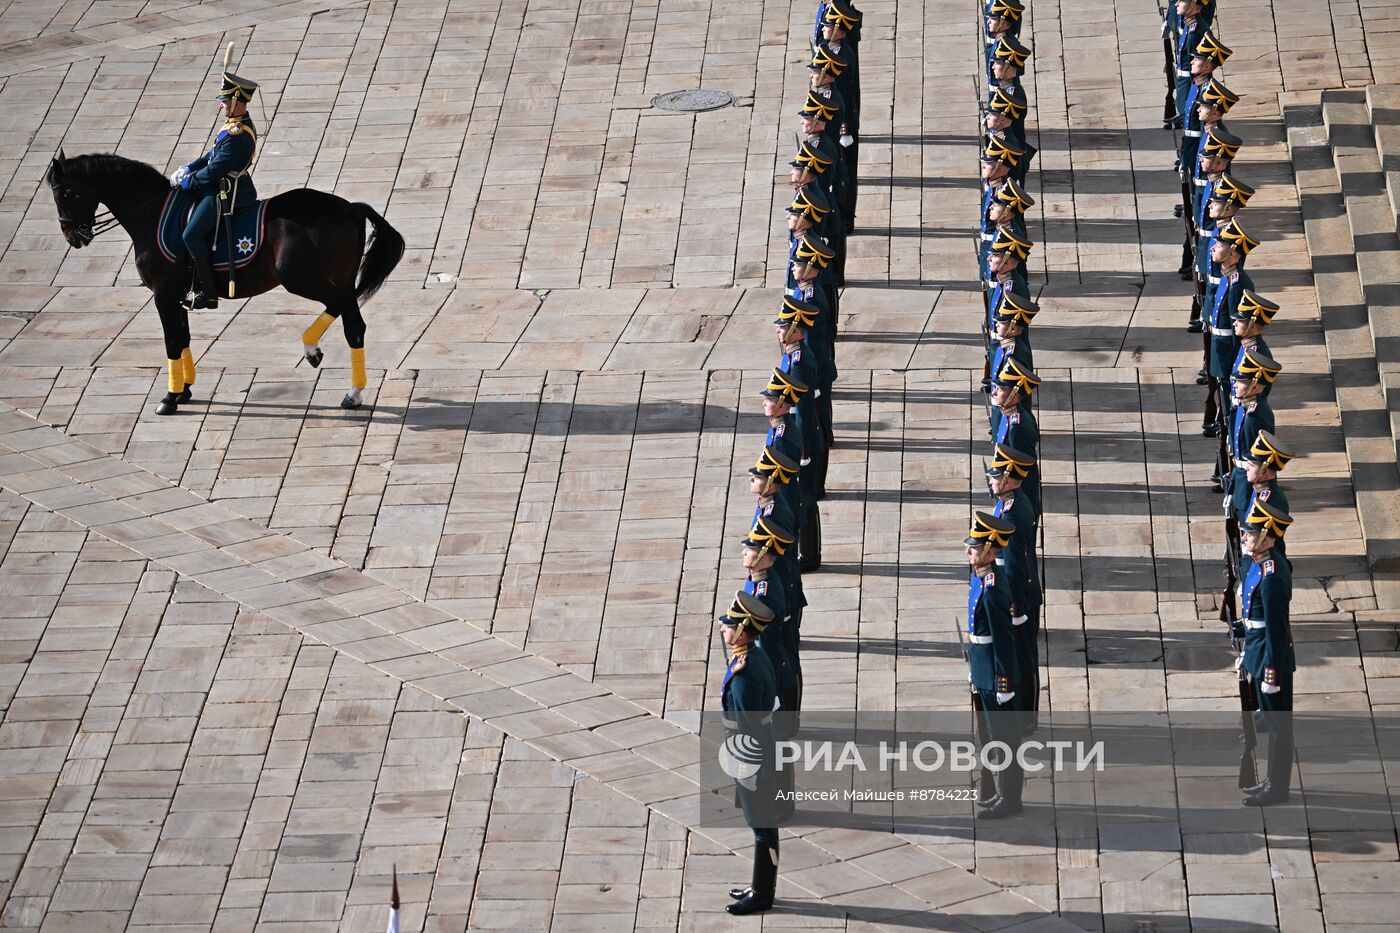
(788, 480)
(1239, 374)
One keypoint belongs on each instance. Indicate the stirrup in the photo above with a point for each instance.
(200, 301)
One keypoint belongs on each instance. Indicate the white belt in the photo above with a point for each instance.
(1250, 623)
(980, 639)
(988, 237)
(1213, 279)
(1183, 74)
(1222, 332)
(1242, 464)
(1202, 231)
(1199, 182)
(1193, 134)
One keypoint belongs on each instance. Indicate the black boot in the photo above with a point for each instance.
(1008, 802)
(809, 540)
(758, 896)
(987, 789)
(208, 295)
(1274, 790)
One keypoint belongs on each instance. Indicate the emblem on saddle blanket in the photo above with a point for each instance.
(248, 228)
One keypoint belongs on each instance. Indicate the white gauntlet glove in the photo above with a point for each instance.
(1004, 698)
(178, 176)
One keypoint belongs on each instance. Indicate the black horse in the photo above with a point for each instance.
(314, 246)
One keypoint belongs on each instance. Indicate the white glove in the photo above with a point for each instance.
(1270, 688)
(847, 140)
(1239, 662)
(1004, 698)
(178, 176)
(1019, 620)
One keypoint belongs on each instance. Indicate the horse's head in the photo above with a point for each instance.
(77, 210)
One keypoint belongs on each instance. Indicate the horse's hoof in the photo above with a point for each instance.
(168, 405)
(351, 401)
(184, 396)
(314, 356)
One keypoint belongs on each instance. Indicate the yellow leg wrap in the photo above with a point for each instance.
(357, 367)
(313, 334)
(187, 363)
(176, 382)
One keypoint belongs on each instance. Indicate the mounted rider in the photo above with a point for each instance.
(221, 181)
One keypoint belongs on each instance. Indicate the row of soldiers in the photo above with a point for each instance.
(1239, 374)
(761, 629)
(1001, 641)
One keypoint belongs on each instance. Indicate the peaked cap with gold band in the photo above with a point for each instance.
(1012, 195)
(1230, 188)
(1014, 307)
(1257, 367)
(1014, 375)
(809, 202)
(1011, 244)
(747, 612)
(773, 462)
(236, 88)
(1219, 141)
(766, 535)
(1212, 48)
(1006, 9)
(1254, 307)
(1217, 95)
(987, 529)
(1010, 51)
(999, 149)
(1009, 460)
(1010, 101)
(812, 249)
(1269, 450)
(1264, 517)
(785, 386)
(824, 59)
(819, 108)
(1233, 232)
(799, 312)
(816, 156)
(841, 14)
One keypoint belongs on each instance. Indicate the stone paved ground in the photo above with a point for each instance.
(236, 646)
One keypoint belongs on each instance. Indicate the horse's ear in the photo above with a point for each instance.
(61, 157)
(56, 169)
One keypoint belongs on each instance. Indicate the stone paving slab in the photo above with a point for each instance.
(541, 488)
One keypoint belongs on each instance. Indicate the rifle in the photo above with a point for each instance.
(986, 786)
(1249, 703)
(1169, 114)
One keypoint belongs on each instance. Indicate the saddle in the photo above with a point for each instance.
(246, 234)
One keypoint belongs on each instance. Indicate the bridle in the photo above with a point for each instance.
(90, 231)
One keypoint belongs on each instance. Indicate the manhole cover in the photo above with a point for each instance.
(692, 101)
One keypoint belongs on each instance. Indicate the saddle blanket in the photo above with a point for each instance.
(247, 231)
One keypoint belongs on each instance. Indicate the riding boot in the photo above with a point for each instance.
(986, 788)
(758, 896)
(1210, 424)
(208, 294)
(1275, 787)
(1008, 803)
(809, 540)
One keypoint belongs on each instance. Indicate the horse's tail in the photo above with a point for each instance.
(383, 251)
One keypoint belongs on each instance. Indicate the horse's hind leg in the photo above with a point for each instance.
(175, 329)
(354, 325)
(311, 338)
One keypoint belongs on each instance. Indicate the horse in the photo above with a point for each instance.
(314, 246)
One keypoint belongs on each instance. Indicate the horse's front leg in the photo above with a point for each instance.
(175, 329)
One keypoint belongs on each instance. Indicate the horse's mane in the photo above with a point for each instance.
(110, 168)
